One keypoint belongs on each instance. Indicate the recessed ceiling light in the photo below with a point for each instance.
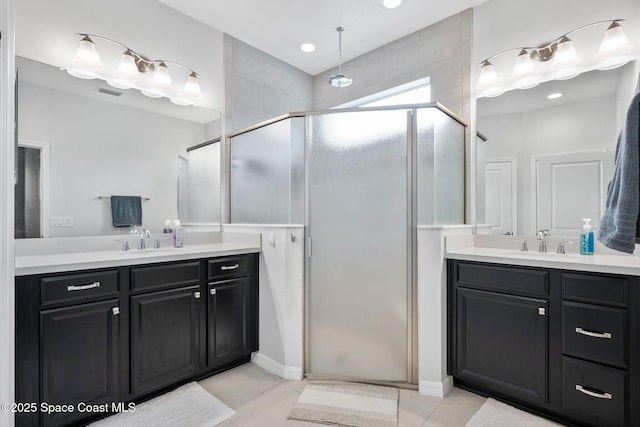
(307, 47)
(554, 95)
(390, 4)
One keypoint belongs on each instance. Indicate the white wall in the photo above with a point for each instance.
(7, 291)
(99, 148)
(579, 126)
(281, 290)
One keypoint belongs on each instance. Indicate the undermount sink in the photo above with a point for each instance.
(150, 251)
(543, 254)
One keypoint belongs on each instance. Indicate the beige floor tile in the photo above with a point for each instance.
(296, 385)
(271, 408)
(264, 400)
(461, 403)
(239, 385)
(413, 411)
(444, 419)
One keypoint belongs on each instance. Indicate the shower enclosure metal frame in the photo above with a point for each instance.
(412, 220)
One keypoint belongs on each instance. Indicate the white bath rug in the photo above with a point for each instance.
(347, 404)
(187, 406)
(498, 414)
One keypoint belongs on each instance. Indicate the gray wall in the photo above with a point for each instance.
(441, 51)
(259, 87)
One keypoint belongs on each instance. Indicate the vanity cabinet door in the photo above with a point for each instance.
(79, 358)
(501, 343)
(228, 321)
(166, 340)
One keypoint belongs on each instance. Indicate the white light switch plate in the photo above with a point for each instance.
(62, 221)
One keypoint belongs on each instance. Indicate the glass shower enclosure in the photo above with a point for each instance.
(361, 181)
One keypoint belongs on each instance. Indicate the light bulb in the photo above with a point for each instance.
(615, 42)
(565, 55)
(86, 54)
(488, 75)
(524, 66)
(127, 67)
(192, 86)
(161, 78)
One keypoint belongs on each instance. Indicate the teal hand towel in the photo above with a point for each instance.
(126, 210)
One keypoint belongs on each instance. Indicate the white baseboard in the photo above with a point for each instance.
(277, 368)
(293, 373)
(436, 388)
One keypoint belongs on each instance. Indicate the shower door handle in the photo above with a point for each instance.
(308, 247)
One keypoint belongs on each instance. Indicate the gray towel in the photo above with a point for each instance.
(619, 227)
(126, 210)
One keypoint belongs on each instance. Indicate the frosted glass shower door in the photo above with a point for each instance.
(357, 289)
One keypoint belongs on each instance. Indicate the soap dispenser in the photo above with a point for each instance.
(586, 238)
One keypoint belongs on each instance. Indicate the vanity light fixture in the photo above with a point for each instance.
(340, 80)
(557, 60)
(149, 76)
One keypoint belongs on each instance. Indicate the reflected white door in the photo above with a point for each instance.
(568, 187)
(500, 199)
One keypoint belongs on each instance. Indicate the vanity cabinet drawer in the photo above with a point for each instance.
(226, 267)
(594, 392)
(610, 290)
(78, 287)
(165, 276)
(500, 278)
(595, 332)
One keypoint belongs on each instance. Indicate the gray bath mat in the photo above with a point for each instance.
(347, 404)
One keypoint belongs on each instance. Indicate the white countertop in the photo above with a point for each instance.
(603, 263)
(69, 261)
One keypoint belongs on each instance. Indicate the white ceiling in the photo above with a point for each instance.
(277, 27)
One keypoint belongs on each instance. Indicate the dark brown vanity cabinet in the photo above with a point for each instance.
(68, 341)
(231, 328)
(499, 330)
(123, 334)
(166, 307)
(557, 342)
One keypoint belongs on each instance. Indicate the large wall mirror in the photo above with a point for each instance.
(82, 141)
(547, 159)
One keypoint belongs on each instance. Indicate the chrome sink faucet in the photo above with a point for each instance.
(146, 234)
(541, 236)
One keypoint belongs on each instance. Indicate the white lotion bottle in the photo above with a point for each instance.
(178, 234)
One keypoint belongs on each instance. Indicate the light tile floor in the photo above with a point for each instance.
(264, 400)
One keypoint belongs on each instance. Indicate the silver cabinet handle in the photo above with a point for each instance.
(115, 310)
(196, 295)
(212, 291)
(593, 394)
(229, 267)
(83, 287)
(542, 311)
(606, 335)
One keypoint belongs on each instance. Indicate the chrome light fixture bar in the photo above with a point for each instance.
(149, 76)
(340, 80)
(561, 56)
